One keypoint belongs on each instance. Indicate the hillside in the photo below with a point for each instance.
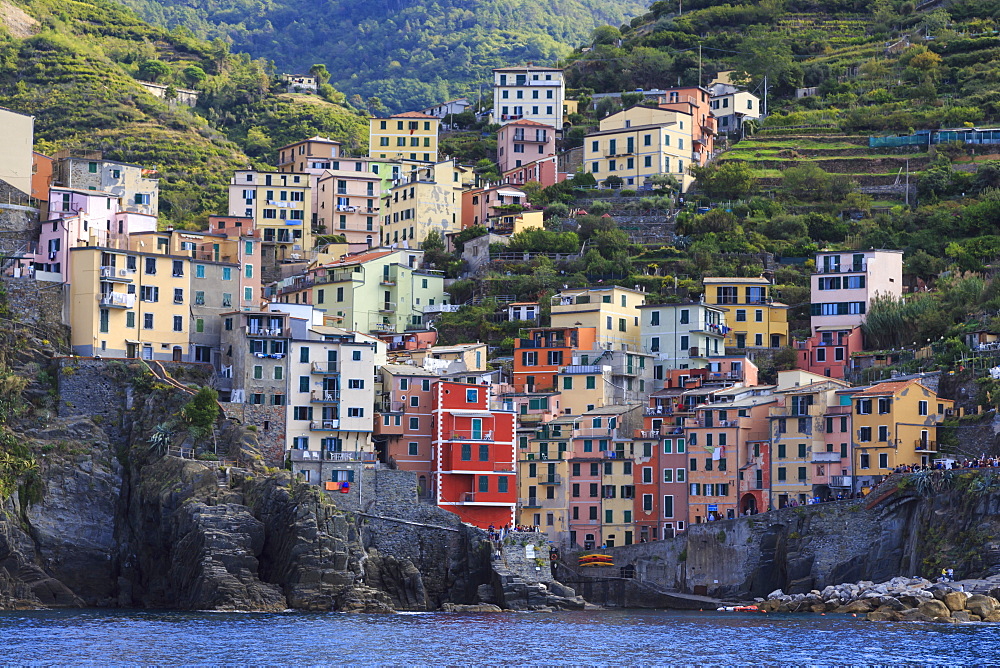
(410, 54)
(74, 66)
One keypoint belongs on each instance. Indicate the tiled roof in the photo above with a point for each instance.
(724, 279)
(357, 259)
(883, 389)
(413, 114)
(525, 121)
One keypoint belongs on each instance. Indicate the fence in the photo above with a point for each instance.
(971, 136)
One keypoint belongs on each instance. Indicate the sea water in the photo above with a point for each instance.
(619, 637)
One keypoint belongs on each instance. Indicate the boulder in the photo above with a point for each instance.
(955, 600)
(862, 606)
(914, 615)
(777, 593)
(481, 607)
(909, 601)
(995, 593)
(961, 615)
(934, 608)
(817, 607)
(981, 605)
(892, 604)
(888, 616)
(975, 618)
(992, 617)
(770, 605)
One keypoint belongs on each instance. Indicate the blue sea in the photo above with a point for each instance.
(617, 637)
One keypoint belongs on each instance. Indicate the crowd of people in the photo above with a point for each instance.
(497, 535)
(941, 465)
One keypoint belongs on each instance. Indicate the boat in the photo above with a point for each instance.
(738, 608)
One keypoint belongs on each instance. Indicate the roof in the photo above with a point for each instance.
(358, 259)
(525, 121)
(886, 389)
(526, 68)
(612, 410)
(407, 370)
(747, 402)
(668, 392)
(456, 348)
(857, 252)
(814, 386)
(524, 304)
(744, 279)
(413, 114)
(634, 128)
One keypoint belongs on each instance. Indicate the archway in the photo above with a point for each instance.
(748, 505)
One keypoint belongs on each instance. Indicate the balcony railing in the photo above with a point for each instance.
(387, 307)
(113, 274)
(264, 331)
(658, 410)
(582, 368)
(392, 407)
(826, 457)
(325, 396)
(325, 425)
(330, 456)
(842, 269)
(549, 479)
(930, 446)
(325, 367)
(471, 435)
(531, 502)
(117, 300)
(840, 481)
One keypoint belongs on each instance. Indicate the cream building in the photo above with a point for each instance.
(17, 136)
(280, 205)
(410, 135)
(639, 142)
(425, 198)
(529, 92)
(612, 311)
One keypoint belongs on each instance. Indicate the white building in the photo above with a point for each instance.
(732, 105)
(845, 282)
(533, 93)
(682, 336)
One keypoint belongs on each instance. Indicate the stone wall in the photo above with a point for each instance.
(39, 303)
(270, 424)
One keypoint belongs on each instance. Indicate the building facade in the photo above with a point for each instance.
(529, 93)
(411, 135)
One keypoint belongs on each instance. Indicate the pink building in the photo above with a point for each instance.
(845, 282)
(481, 204)
(544, 171)
(524, 141)
(82, 218)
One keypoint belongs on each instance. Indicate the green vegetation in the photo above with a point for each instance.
(77, 75)
(201, 412)
(409, 55)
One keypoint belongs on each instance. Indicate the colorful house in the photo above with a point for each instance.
(845, 283)
(475, 475)
(755, 318)
(523, 141)
(411, 135)
(611, 311)
(531, 93)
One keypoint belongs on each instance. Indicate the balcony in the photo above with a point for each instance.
(840, 481)
(925, 446)
(330, 456)
(549, 479)
(532, 502)
(383, 328)
(582, 368)
(826, 457)
(594, 432)
(324, 368)
(264, 331)
(324, 396)
(113, 274)
(798, 410)
(712, 424)
(642, 433)
(387, 307)
(339, 276)
(391, 407)
(470, 435)
(441, 308)
(838, 410)
(325, 425)
(658, 410)
(842, 269)
(387, 280)
(117, 300)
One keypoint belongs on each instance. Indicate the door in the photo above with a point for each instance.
(177, 354)
(477, 429)
(741, 340)
(331, 361)
(130, 350)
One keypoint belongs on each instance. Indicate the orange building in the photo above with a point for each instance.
(696, 101)
(539, 358)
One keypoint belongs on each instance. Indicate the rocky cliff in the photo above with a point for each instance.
(918, 526)
(98, 512)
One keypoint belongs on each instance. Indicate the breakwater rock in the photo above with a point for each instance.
(899, 599)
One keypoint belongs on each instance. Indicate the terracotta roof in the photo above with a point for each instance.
(357, 259)
(518, 68)
(413, 114)
(883, 389)
(725, 279)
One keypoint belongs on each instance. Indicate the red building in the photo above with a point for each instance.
(474, 455)
(828, 351)
(404, 421)
(660, 472)
(754, 478)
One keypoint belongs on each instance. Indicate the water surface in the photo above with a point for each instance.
(620, 637)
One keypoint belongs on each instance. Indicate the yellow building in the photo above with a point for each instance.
(280, 205)
(411, 135)
(543, 470)
(894, 424)
(808, 456)
(639, 142)
(129, 304)
(755, 319)
(612, 311)
(425, 198)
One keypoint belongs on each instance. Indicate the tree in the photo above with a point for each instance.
(663, 183)
(606, 35)
(153, 70)
(320, 72)
(730, 179)
(201, 412)
(194, 75)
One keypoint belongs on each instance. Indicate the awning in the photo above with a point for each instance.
(468, 412)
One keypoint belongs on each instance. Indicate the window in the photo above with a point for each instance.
(147, 321)
(865, 434)
(355, 412)
(883, 433)
(302, 413)
(668, 475)
(568, 382)
(199, 271)
(356, 383)
(782, 474)
(471, 396)
(150, 265)
(414, 424)
(884, 405)
(668, 506)
(484, 483)
(883, 460)
(922, 408)
(647, 475)
(178, 323)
